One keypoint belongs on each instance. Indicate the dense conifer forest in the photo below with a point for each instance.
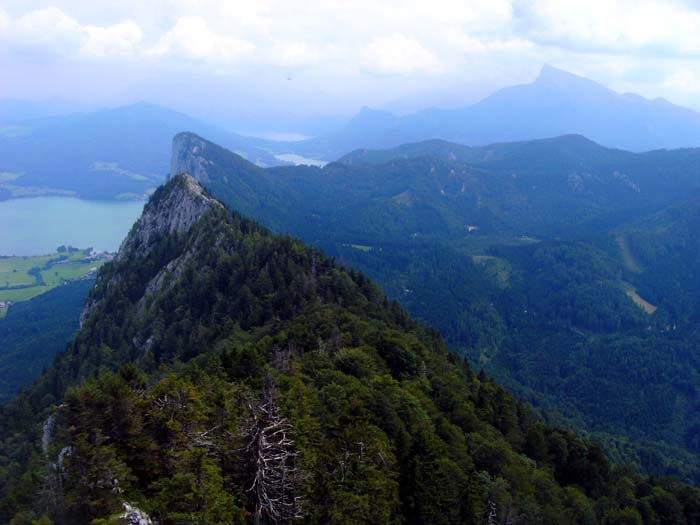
(565, 270)
(224, 374)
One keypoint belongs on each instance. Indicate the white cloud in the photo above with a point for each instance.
(4, 21)
(397, 54)
(46, 28)
(297, 54)
(684, 80)
(475, 16)
(118, 40)
(371, 35)
(192, 39)
(372, 51)
(462, 42)
(51, 32)
(650, 26)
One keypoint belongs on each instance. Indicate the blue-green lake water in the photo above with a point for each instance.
(38, 225)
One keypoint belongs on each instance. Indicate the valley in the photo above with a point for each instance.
(543, 305)
(123, 153)
(471, 249)
(22, 278)
(313, 358)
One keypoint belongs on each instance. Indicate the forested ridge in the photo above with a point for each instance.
(227, 375)
(34, 331)
(528, 258)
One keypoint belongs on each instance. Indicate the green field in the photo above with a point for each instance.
(22, 278)
(362, 247)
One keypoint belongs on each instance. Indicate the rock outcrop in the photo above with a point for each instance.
(173, 209)
(134, 516)
(186, 157)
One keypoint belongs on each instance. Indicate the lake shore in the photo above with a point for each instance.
(37, 225)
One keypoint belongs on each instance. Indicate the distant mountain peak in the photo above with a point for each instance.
(366, 110)
(185, 156)
(142, 107)
(369, 115)
(144, 104)
(569, 138)
(553, 75)
(550, 71)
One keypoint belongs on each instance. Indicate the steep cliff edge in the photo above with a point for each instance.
(257, 192)
(172, 210)
(186, 156)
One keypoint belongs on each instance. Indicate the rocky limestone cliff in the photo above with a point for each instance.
(173, 208)
(187, 157)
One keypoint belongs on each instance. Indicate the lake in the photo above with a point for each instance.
(38, 225)
(298, 160)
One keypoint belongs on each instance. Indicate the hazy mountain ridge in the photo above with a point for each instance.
(16, 110)
(114, 153)
(512, 188)
(122, 152)
(556, 103)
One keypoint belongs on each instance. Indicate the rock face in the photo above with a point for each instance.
(174, 208)
(134, 516)
(186, 157)
(46, 433)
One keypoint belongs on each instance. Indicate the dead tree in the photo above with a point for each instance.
(492, 514)
(272, 450)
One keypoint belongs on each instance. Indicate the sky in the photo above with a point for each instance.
(271, 65)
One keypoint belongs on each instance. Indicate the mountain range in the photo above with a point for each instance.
(120, 153)
(438, 189)
(123, 152)
(223, 374)
(522, 255)
(236, 363)
(556, 103)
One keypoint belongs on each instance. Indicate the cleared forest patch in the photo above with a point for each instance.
(641, 302)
